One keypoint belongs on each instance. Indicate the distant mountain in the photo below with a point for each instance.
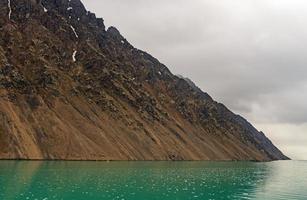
(72, 90)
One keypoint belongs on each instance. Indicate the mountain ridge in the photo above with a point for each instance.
(73, 90)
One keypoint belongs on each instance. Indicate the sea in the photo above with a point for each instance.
(72, 180)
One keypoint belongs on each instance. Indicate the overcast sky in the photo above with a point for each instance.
(250, 55)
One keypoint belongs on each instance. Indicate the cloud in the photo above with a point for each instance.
(291, 138)
(250, 55)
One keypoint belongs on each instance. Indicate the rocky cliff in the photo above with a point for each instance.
(70, 89)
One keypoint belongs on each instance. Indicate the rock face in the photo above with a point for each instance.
(69, 89)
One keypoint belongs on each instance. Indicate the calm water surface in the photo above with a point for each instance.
(21, 180)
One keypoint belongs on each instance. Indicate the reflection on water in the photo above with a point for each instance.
(20, 180)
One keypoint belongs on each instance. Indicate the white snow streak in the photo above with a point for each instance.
(10, 8)
(74, 30)
(74, 56)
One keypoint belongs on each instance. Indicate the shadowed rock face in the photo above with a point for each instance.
(69, 89)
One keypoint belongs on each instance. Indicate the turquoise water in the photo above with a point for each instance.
(22, 180)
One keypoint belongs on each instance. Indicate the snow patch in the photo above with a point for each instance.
(74, 56)
(74, 30)
(45, 9)
(10, 8)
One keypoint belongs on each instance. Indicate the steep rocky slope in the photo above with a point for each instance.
(70, 89)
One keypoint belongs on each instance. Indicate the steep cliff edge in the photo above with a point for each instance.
(70, 89)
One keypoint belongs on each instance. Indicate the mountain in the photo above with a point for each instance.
(71, 89)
